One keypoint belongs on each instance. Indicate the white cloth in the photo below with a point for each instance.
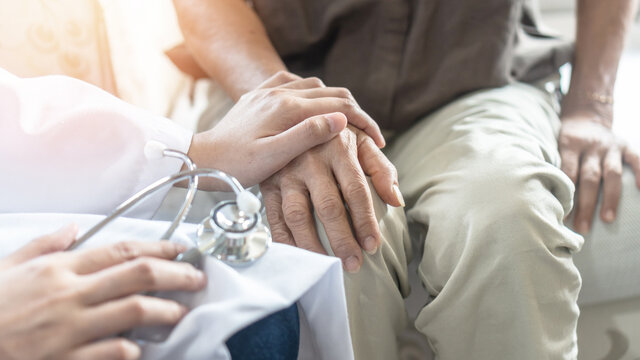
(67, 146)
(234, 297)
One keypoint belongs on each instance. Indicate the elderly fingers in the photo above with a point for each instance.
(298, 215)
(272, 197)
(382, 172)
(612, 184)
(632, 158)
(588, 187)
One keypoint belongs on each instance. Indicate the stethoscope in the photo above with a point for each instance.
(233, 232)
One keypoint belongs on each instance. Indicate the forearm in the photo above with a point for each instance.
(229, 42)
(602, 26)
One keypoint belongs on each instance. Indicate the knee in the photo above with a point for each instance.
(508, 218)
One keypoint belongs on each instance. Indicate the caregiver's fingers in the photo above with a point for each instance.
(127, 313)
(57, 241)
(298, 215)
(612, 184)
(588, 187)
(142, 275)
(109, 349)
(303, 83)
(348, 106)
(632, 158)
(272, 197)
(92, 260)
(304, 136)
(570, 160)
(277, 79)
(382, 172)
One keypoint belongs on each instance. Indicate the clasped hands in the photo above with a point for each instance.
(339, 145)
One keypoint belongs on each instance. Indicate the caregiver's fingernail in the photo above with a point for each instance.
(398, 194)
(337, 122)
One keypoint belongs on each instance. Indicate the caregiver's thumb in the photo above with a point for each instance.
(310, 132)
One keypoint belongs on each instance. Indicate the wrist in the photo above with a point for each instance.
(205, 152)
(589, 105)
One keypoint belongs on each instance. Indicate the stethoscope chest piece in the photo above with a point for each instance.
(233, 236)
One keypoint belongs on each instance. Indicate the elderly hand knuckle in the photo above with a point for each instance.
(355, 189)
(590, 176)
(296, 215)
(343, 245)
(612, 171)
(279, 235)
(330, 209)
(274, 215)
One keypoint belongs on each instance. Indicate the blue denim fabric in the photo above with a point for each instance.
(276, 337)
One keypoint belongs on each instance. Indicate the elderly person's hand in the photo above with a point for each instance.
(323, 179)
(273, 124)
(65, 305)
(593, 155)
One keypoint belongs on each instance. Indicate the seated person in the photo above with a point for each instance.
(63, 305)
(487, 161)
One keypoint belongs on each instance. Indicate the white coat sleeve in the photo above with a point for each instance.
(68, 146)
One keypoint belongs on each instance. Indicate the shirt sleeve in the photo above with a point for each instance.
(68, 146)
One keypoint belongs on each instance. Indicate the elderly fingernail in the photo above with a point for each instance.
(398, 194)
(370, 245)
(609, 216)
(583, 227)
(352, 264)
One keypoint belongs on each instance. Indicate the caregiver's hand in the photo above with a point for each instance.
(324, 178)
(592, 155)
(62, 305)
(273, 124)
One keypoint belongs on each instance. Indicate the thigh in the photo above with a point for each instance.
(474, 130)
(486, 161)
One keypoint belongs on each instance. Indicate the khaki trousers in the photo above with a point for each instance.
(485, 203)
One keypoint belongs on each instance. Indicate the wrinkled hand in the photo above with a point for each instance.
(592, 154)
(63, 305)
(273, 124)
(323, 179)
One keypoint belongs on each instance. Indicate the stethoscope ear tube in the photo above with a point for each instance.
(144, 193)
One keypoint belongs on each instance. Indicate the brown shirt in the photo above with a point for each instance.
(405, 58)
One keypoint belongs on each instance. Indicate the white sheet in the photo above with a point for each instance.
(234, 297)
